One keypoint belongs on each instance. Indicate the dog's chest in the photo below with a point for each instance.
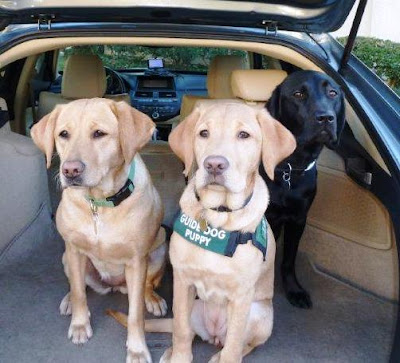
(217, 278)
(103, 237)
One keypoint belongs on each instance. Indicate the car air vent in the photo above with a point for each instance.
(167, 94)
(144, 94)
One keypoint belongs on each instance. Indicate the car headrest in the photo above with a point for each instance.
(256, 85)
(84, 77)
(219, 75)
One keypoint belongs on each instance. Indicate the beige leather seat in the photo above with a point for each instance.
(84, 77)
(256, 85)
(218, 81)
(25, 200)
(252, 86)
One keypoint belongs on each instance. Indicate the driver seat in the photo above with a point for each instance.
(84, 77)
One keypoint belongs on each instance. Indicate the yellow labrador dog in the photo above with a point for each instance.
(109, 214)
(222, 249)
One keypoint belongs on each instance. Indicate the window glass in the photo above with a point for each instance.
(122, 57)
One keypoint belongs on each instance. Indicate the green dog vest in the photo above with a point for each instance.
(219, 240)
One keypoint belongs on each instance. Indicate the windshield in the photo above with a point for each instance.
(123, 57)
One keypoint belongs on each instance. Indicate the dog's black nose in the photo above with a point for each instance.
(216, 165)
(322, 117)
(72, 169)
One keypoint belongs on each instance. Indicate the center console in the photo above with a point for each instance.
(155, 95)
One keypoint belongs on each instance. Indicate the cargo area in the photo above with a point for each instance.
(346, 324)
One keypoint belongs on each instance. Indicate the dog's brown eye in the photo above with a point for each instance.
(98, 133)
(64, 134)
(243, 135)
(333, 93)
(298, 94)
(204, 133)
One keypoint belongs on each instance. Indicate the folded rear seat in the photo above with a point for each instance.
(166, 172)
(25, 203)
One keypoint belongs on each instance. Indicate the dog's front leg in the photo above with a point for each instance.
(80, 330)
(135, 275)
(238, 314)
(183, 334)
(295, 293)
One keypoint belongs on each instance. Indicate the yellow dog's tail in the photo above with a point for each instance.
(150, 326)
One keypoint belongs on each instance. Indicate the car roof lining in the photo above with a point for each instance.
(280, 52)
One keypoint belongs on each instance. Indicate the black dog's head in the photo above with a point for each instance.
(311, 105)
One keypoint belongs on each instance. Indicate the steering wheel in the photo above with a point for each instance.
(115, 83)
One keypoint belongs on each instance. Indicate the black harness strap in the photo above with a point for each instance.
(238, 238)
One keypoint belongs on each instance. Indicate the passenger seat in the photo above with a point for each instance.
(255, 86)
(218, 81)
(84, 77)
(252, 86)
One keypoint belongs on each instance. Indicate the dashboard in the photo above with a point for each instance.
(160, 95)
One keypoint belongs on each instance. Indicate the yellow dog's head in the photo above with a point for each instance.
(93, 137)
(227, 140)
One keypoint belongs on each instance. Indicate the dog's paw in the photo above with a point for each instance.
(166, 357)
(300, 299)
(155, 304)
(215, 358)
(294, 292)
(121, 289)
(169, 357)
(66, 305)
(139, 356)
(80, 333)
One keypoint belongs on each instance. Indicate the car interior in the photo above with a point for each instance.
(348, 256)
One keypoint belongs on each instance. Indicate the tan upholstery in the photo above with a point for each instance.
(218, 81)
(23, 184)
(187, 105)
(47, 102)
(252, 86)
(219, 75)
(166, 173)
(353, 213)
(84, 77)
(256, 85)
(349, 232)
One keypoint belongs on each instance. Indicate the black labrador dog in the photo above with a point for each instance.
(311, 105)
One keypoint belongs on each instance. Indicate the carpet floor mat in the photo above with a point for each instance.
(345, 324)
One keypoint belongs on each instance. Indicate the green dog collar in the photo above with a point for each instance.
(120, 196)
(219, 240)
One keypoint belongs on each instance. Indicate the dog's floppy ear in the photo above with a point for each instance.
(135, 129)
(340, 121)
(277, 142)
(274, 104)
(181, 139)
(42, 133)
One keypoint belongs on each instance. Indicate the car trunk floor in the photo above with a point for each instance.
(345, 324)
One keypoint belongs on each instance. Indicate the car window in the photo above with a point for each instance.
(122, 57)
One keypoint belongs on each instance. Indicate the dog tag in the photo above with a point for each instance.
(203, 224)
(95, 215)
